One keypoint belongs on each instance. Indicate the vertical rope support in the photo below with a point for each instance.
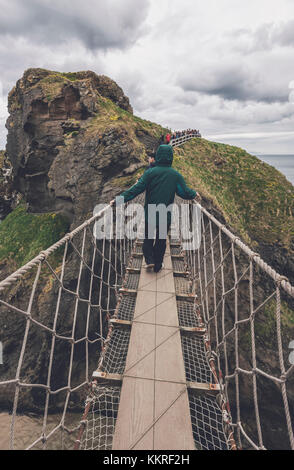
(54, 339)
(282, 367)
(223, 314)
(206, 303)
(214, 286)
(237, 385)
(21, 357)
(253, 349)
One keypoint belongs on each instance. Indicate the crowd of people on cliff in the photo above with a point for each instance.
(167, 138)
(178, 134)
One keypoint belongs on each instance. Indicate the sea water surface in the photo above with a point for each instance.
(283, 163)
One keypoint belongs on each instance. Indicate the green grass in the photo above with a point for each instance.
(112, 114)
(2, 153)
(126, 182)
(72, 76)
(265, 327)
(23, 235)
(254, 197)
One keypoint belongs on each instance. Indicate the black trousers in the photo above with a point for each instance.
(154, 248)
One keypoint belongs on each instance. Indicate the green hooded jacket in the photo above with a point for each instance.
(161, 182)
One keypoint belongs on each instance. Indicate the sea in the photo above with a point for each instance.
(283, 163)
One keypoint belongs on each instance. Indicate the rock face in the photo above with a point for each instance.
(60, 160)
(8, 196)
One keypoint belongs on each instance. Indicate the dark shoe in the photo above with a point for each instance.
(158, 267)
(149, 264)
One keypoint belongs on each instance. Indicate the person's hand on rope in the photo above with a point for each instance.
(197, 198)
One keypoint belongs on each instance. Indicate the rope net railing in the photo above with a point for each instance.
(54, 314)
(248, 312)
(60, 308)
(97, 426)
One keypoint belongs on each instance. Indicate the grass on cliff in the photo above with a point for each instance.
(53, 83)
(265, 327)
(23, 235)
(255, 198)
(2, 154)
(110, 114)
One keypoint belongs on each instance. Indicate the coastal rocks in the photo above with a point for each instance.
(8, 196)
(60, 160)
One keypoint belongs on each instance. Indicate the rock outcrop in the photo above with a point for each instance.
(9, 198)
(62, 142)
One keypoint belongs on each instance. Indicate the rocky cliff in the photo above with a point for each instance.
(68, 135)
(9, 197)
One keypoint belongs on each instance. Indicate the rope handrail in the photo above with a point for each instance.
(285, 283)
(278, 278)
(181, 140)
(44, 254)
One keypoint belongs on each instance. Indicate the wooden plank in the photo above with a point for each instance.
(141, 354)
(154, 409)
(166, 309)
(173, 431)
(145, 304)
(169, 363)
(135, 412)
(146, 442)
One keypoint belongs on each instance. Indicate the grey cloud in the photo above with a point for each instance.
(284, 35)
(233, 82)
(264, 38)
(98, 25)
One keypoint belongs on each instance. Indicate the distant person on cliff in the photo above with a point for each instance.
(167, 138)
(161, 184)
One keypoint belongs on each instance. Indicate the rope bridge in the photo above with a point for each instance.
(175, 142)
(77, 305)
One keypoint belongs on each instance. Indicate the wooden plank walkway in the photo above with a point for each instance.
(154, 409)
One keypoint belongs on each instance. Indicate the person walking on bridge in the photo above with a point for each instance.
(167, 138)
(161, 184)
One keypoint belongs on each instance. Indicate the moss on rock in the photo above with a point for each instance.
(23, 235)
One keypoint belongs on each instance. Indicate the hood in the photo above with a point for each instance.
(164, 155)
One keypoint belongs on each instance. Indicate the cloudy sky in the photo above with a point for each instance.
(223, 66)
